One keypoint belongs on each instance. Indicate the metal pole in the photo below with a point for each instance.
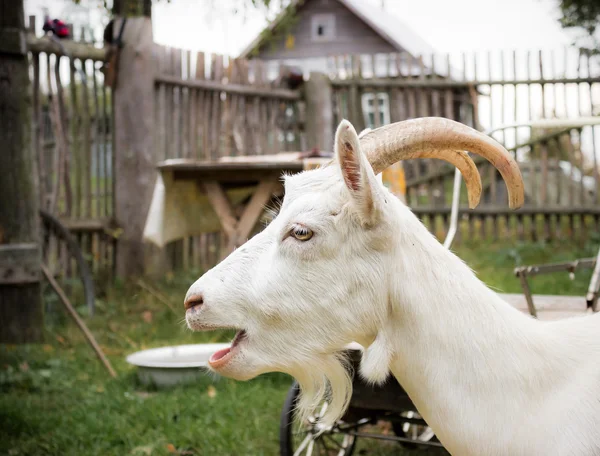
(454, 211)
(592, 294)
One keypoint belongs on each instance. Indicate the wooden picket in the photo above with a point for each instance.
(208, 106)
(72, 136)
(515, 97)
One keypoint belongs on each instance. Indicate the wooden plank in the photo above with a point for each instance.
(108, 189)
(276, 123)
(193, 123)
(544, 173)
(596, 170)
(98, 136)
(239, 128)
(218, 86)
(505, 211)
(74, 49)
(558, 173)
(184, 122)
(66, 149)
(220, 203)
(355, 113)
(492, 176)
(216, 108)
(160, 107)
(86, 143)
(176, 114)
(200, 67)
(88, 224)
(255, 207)
(37, 129)
(421, 95)
(201, 111)
(169, 106)
(74, 123)
(257, 111)
(458, 84)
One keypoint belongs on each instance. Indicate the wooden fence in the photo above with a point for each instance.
(72, 136)
(530, 102)
(208, 106)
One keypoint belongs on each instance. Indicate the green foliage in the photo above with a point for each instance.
(494, 264)
(582, 14)
(270, 36)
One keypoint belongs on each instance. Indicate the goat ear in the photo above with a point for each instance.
(356, 171)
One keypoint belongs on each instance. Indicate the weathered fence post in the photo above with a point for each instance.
(319, 112)
(135, 163)
(21, 316)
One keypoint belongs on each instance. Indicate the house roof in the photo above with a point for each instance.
(389, 27)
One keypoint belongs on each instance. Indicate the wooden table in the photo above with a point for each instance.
(194, 197)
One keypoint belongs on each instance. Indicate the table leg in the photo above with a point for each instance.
(237, 229)
(250, 215)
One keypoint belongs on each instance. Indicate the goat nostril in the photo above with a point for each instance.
(196, 300)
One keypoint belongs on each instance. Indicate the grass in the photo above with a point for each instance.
(56, 399)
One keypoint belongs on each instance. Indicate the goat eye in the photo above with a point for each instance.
(301, 233)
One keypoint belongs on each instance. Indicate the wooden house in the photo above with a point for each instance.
(307, 32)
(310, 34)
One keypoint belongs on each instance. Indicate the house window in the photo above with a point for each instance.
(323, 27)
(370, 109)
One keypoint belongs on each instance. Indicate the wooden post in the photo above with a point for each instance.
(135, 162)
(21, 317)
(319, 112)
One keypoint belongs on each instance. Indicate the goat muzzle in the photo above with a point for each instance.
(444, 139)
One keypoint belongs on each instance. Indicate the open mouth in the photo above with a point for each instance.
(221, 357)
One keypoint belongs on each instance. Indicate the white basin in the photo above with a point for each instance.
(173, 365)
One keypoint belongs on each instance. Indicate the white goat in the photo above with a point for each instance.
(346, 261)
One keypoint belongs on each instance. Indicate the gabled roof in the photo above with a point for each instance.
(387, 26)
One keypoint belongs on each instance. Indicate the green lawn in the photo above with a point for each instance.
(55, 399)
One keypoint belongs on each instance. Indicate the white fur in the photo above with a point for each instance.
(488, 379)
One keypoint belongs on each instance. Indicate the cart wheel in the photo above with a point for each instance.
(302, 439)
(412, 431)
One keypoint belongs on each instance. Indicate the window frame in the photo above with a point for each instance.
(384, 102)
(325, 20)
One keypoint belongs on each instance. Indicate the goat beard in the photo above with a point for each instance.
(323, 378)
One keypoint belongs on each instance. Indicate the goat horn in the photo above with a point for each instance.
(436, 137)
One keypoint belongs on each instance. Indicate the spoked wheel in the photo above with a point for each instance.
(413, 431)
(310, 438)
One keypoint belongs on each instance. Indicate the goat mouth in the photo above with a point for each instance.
(221, 357)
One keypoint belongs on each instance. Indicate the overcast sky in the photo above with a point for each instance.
(448, 25)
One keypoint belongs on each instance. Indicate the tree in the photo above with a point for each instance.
(21, 313)
(582, 14)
